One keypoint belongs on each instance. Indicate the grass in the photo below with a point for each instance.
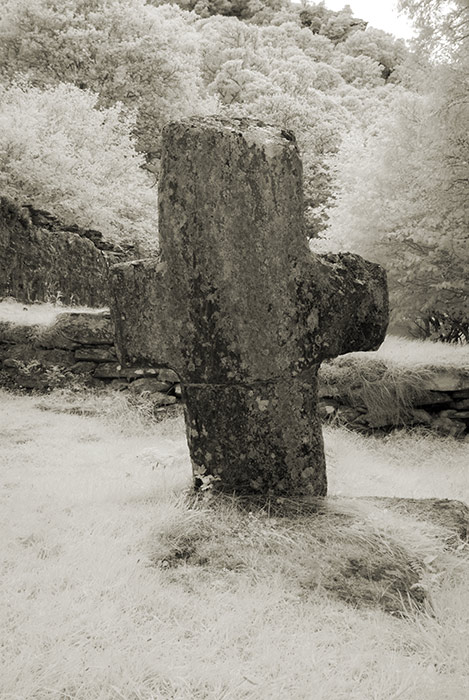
(115, 585)
(406, 353)
(391, 381)
(13, 311)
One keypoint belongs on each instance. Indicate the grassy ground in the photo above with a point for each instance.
(406, 353)
(31, 314)
(115, 586)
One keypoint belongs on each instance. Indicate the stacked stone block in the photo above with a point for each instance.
(78, 347)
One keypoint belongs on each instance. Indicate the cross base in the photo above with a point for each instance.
(262, 437)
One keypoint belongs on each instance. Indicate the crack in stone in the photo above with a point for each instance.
(306, 375)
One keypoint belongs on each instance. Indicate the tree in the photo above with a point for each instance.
(389, 53)
(75, 160)
(243, 9)
(163, 62)
(442, 25)
(125, 51)
(401, 198)
(337, 26)
(284, 73)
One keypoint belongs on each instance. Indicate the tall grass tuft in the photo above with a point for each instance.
(388, 383)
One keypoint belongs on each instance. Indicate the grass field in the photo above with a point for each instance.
(115, 586)
(31, 314)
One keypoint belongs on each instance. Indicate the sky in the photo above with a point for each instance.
(381, 14)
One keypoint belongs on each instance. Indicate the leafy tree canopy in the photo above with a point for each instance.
(283, 72)
(402, 186)
(76, 160)
(309, 68)
(242, 9)
(145, 57)
(442, 25)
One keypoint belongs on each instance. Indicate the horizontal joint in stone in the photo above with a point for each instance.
(433, 398)
(149, 385)
(463, 405)
(460, 394)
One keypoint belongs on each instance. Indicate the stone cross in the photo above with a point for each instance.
(240, 307)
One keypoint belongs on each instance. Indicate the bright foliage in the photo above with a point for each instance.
(60, 152)
(382, 139)
(402, 189)
(285, 73)
(311, 70)
(145, 57)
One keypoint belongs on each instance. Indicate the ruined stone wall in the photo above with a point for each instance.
(80, 347)
(40, 261)
(77, 348)
(440, 403)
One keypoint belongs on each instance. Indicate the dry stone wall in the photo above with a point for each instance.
(77, 348)
(433, 398)
(41, 260)
(80, 348)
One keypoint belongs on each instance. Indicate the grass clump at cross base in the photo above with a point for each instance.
(333, 547)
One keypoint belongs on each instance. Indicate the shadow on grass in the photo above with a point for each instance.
(323, 546)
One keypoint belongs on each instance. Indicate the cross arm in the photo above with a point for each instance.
(350, 301)
(139, 308)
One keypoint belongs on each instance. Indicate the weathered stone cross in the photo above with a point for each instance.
(241, 309)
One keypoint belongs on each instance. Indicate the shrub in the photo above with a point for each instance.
(58, 151)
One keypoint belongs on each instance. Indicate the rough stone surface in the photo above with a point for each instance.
(113, 370)
(167, 375)
(421, 417)
(96, 354)
(447, 425)
(42, 357)
(71, 330)
(39, 264)
(240, 308)
(461, 393)
(160, 399)
(83, 367)
(28, 353)
(460, 405)
(449, 380)
(12, 334)
(119, 384)
(147, 385)
(434, 398)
